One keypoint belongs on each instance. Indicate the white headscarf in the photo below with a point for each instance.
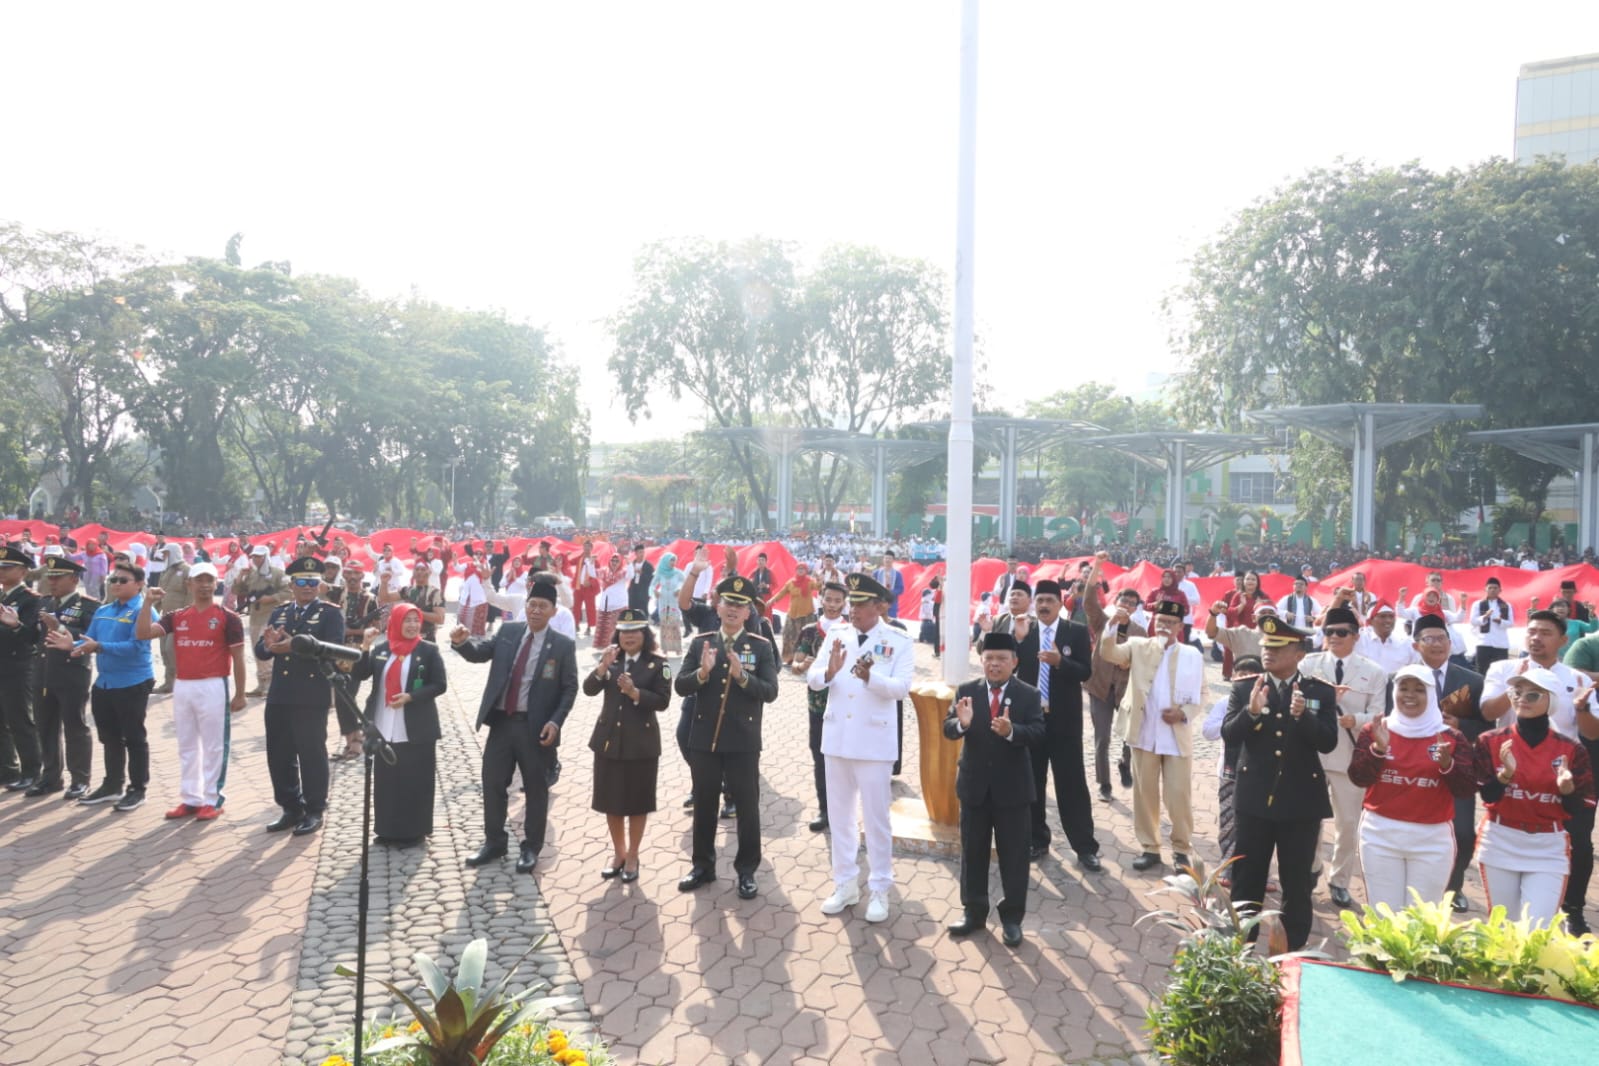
(1428, 723)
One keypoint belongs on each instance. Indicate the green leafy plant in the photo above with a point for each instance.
(1223, 1003)
(1423, 940)
(464, 1022)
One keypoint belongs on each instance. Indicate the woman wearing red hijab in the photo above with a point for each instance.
(408, 677)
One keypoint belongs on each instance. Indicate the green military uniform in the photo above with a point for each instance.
(174, 585)
(256, 594)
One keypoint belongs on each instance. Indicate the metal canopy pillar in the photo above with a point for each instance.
(1571, 447)
(781, 444)
(1365, 429)
(1178, 454)
(881, 458)
(1010, 439)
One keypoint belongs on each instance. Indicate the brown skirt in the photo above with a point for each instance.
(625, 786)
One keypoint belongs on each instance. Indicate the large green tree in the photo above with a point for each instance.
(1364, 284)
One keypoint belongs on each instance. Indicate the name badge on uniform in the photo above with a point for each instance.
(549, 670)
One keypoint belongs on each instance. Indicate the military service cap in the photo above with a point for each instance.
(737, 590)
(305, 566)
(1275, 633)
(862, 589)
(632, 619)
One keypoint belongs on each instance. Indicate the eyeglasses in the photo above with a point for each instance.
(1528, 695)
(1338, 631)
(1433, 638)
(307, 582)
(119, 581)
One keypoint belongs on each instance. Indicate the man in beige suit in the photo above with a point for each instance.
(1361, 685)
(1166, 682)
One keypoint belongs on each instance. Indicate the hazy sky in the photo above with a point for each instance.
(519, 156)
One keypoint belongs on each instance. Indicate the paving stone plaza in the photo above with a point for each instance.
(128, 939)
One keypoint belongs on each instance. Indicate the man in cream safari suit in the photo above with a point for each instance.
(1361, 685)
(1165, 684)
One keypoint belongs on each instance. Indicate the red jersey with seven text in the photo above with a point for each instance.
(1406, 784)
(1532, 797)
(203, 641)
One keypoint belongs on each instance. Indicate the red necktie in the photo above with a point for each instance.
(993, 703)
(517, 670)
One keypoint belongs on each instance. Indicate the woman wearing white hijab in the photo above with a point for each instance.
(1412, 767)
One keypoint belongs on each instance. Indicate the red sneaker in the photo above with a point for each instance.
(206, 813)
(182, 810)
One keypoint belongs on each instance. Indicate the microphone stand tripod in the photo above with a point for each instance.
(372, 744)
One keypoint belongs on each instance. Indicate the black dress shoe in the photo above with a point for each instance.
(43, 788)
(746, 886)
(688, 804)
(1037, 851)
(1179, 860)
(1576, 923)
(696, 877)
(818, 824)
(1091, 863)
(487, 854)
(526, 859)
(613, 870)
(629, 876)
(1105, 793)
(308, 825)
(1011, 933)
(1148, 860)
(76, 792)
(969, 924)
(21, 784)
(1340, 896)
(1460, 904)
(1126, 774)
(729, 809)
(285, 821)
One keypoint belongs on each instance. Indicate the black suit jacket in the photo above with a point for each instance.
(554, 687)
(996, 770)
(638, 590)
(1461, 697)
(296, 679)
(1065, 710)
(1280, 776)
(424, 679)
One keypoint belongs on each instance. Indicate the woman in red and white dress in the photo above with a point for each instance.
(1412, 767)
(1533, 779)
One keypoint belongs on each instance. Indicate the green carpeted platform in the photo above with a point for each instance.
(1338, 1016)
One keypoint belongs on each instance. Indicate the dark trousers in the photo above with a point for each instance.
(1003, 829)
(1486, 657)
(511, 746)
(1062, 753)
(818, 764)
(1295, 844)
(739, 773)
(297, 756)
(1465, 840)
(1580, 827)
(348, 722)
(686, 717)
(60, 712)
(119, 720)
(19, 740)
(1103, 714)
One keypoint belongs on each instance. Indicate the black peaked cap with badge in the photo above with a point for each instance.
(861, 588)
(1275, 633)
(305, 566)
(735, 589)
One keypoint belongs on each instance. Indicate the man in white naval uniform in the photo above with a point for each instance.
(865, 667)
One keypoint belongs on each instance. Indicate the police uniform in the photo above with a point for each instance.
(724, 738)
(297, 708)
(1281, 791)
(19, 740)
(257, 595)
(64, 693)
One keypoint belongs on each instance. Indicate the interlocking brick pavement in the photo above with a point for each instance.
(125, 939)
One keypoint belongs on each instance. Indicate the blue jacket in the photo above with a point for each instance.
(123, 659)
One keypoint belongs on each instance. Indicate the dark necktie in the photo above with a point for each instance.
(860, 640)
(1438, 675)
(518, 668)
(1338, 672)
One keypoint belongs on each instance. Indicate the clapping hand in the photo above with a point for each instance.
(1020, 628)
(963, 712)
(1001, 725)
(1563, 779)
(1507, 762)
(1296, 705)
(608, 658)
(277, 640)
(735, 666)
(626, 685)
(707, 658)
(1379, 735)
(1257, 696)
(8, 615)
(58, 640)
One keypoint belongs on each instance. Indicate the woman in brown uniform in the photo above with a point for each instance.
(627, 737)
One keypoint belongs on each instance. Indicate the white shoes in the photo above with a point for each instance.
(877, 907)
(842, 897)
